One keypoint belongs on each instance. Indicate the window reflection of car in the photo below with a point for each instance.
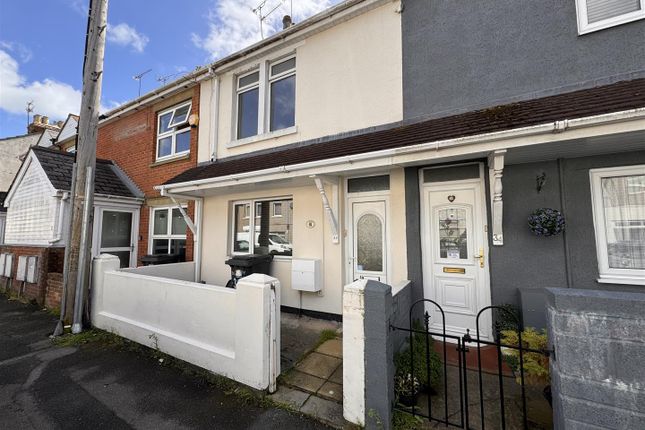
(277, 244)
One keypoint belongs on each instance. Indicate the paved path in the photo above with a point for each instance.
(43, 386)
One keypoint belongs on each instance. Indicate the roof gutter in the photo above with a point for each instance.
(555, 127)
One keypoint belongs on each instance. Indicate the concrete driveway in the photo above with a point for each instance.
(44, 386)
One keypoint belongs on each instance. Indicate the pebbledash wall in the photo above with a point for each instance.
(131, 141)
(483, 49)
(47, 289)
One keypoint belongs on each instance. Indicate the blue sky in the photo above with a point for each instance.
(42, 42)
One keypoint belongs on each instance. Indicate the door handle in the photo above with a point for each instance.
(481, 257)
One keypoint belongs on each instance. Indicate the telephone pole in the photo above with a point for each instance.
(77, 253)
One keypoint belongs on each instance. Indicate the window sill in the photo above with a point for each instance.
(623, 280)
(172, 159)
(261, 137)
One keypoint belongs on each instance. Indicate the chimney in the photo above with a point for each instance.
(37, 119)
(286, 22)
(45, 120)
(59, 124)
(41, 123)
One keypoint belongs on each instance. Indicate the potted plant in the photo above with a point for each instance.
(406, 388)
(535, 364)
(404, 360)
(546, 222)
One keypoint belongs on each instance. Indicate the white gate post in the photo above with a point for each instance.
(354, 352)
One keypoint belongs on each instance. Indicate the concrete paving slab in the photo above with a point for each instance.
(337, 376)
(319, 365)
(333, 347)
(290, 397)
(303, 381)
(325, 410)
(331, 391)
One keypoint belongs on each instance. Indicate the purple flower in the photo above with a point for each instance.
(546, 222)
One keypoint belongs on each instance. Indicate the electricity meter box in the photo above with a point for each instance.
(306, 275)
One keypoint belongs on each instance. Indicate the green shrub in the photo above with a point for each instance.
(403, 360)
(536, 365)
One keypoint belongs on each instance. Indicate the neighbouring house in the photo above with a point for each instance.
(37, 219)
(13, 149)
(152, 139)
(65, 140)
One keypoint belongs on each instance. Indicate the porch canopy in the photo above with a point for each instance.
(609, 118)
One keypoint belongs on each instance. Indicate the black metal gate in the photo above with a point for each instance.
(456, 399)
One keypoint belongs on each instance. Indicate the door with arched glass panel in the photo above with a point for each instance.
(368, 239)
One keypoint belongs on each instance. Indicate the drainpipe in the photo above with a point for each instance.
(214, 123)
(61, 215)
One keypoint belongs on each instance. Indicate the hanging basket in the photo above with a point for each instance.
(546, 222)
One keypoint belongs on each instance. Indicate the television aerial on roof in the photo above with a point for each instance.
(262, 16)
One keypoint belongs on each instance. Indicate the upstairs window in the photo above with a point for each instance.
(173, 131)
(596, 15)
(618, 196)
(266, 99)
(282, 86)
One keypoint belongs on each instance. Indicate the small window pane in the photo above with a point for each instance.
(249, 79)
(624, 207)
(369, 183)
(277, 209)
(160, 221)
(178, 222)
(283, 67)
(283, 103)
(181, 115)
(160, 246)
(165, 147)
(247, 113)
(369, 243)
(453, 234)
(178, 247)
(116, 229)
(164, 122)
(241, 229)
(182, 142)
(273, 235)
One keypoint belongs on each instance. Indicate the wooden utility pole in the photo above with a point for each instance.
(77, 254)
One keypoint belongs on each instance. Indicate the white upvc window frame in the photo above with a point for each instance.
(173, 132)
(265, 79)
(585, 27)
(169, 236)
(252, 217)
(607, 274)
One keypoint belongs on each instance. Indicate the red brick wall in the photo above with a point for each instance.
(54, 294)
(130, 141)
(50, 260)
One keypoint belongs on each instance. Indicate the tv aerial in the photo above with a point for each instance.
(262, 16)
(139, 77)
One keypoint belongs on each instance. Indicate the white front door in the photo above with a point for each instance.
(368, 240)
(117, 230)
(455, 266)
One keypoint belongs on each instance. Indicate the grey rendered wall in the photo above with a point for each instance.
(597, 373)
(567, 260)
(468, 54)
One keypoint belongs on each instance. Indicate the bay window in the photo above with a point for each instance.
(168, 232)
(257, 229)
(618, 196)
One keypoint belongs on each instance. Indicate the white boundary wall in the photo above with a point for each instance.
(231, 332)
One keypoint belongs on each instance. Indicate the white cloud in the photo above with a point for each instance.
(52, 98)
(23, 52)
(79, 6)
(124, 35)
(233, 25)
